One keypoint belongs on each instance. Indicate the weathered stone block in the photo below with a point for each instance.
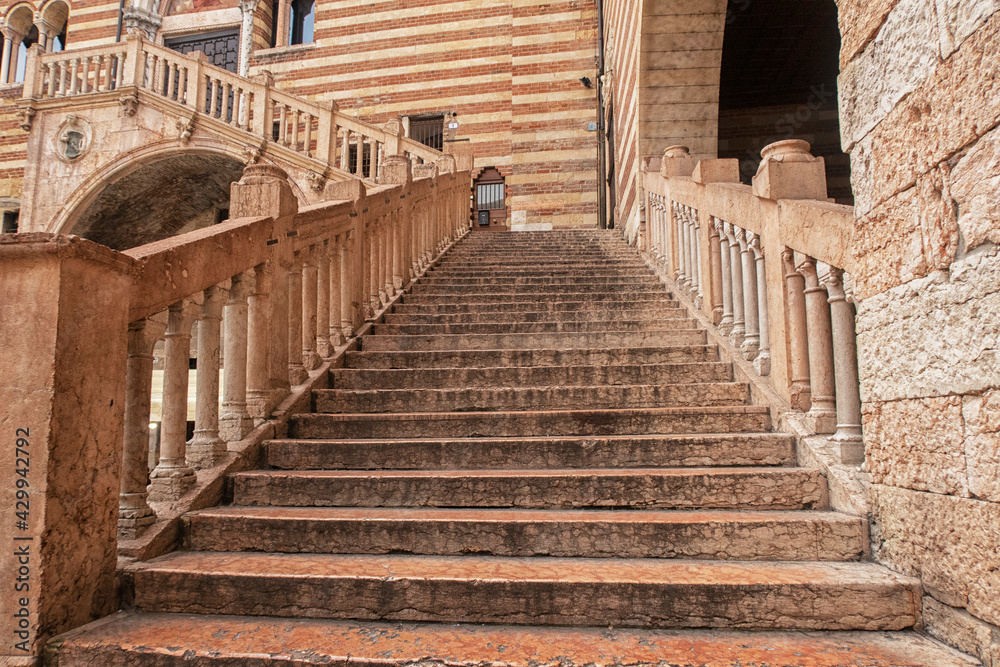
(957, 19)
(958, 628)
(934, 336)
(982, 444)
(975, 188)
(917, 444)
(952, 543)
(907, 237)
(902, 55)
(859, 23)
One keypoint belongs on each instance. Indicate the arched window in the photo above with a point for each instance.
(22, 53)
(302, 21)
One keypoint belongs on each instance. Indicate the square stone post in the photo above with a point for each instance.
(64, 326)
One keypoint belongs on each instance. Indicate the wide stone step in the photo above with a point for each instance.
(500, 275)
(499, 296)
(646, 421)
(532, 357)
(581, 263)
(587, 279)
(533, 591)
(135, 639)
(633, 488)
(531, 398)
(613, 309)
(512, 325)
(491, 316)
(528, 376)
(487, 288)
(716, 535)
(655, 338)
(512, 453)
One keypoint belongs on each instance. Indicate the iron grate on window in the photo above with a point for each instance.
(489, 196)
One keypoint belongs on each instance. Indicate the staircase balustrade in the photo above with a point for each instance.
(310, 129)
(767, 266)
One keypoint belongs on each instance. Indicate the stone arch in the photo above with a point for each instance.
(20, 18)
(53, 17)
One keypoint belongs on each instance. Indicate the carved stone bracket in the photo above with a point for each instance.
(25, 117)
(186, 126)
(253, 153)
(130, 103)
(317, 181)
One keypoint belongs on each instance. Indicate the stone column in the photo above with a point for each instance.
(282, 29)
(762, 363)
(798, 346)
(684, 276)
(715, 271)
(333, 322)
(347, 292)
(845, 362)
(696, 257)
(134, 513)
(11, 43)
(235, 422)
(172, 476)
(247, 9)
(321, 326)
(397, 255)
(374, 300)
(822, 411)
(383, 277)
(736, 280)
(726, 272)
(751, 340)
(310, 299)
(207, 449)
(296, 353)
(280, 382)
(258, 345)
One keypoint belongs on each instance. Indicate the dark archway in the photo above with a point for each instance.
(780, 62)
(162, 199)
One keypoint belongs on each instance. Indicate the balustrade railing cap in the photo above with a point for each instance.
(676, 151)
(788, 150)
(256, 174)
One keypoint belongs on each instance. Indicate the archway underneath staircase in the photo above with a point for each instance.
(161, 199)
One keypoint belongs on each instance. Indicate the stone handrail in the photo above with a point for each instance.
(312, 130)
(769, 266)
(289, 286)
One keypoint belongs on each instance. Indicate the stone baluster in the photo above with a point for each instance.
(172, 476)
(798, 346)
(333, 322)
(695, 228)
(206, 448)
(715, 270)
(386, 288)
(134, 512)
(751, 336)
(296, 369)
(726, 274)
(373, 270)
(822, 411)
(280, 384)
(762, 363)
(398, 270)
(235, 422)
(321, 326)
(736, 280)
(845, 363)
(310, 299)
(348, 299)
(258, 345)
(681, 274)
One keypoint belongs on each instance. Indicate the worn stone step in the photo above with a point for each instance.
(512, 325)
(491, 316)
(460, 291)
(578, 262)
(530, 398)
(444, 279)
(500, 296)
(535, 591)
(621, 308)
(664, 421)
(716, 535)
(512, 453)
(137, 639)
(526, 376)
(539, 272)
(655, 338)
(532, 357)
(636, 488)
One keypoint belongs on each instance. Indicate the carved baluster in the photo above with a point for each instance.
(726, 274)
(207, 449)
(310, 300)
(695, 230)
(296, 355)
(736, 280)
(307, 122)
(345, 151)
(258, 345)
(321, 327)
(398, 270)
(384, 261)
(798, 347)
(280, 382)
(372, 279)
(294, 139)
(845, 363)
(715, 270)
(348, 304)
(751, 339)
(134, 513)
(822, 411)
(235, 422)
(213, 98)
(681, 250)
(75, 68)
(762, 364)
(336, 336)
(172, 476)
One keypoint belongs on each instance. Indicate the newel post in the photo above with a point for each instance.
(64, 323)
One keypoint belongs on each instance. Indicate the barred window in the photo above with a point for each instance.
(428, 130)
(489, 196)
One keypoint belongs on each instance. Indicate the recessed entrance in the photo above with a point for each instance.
(491, 203)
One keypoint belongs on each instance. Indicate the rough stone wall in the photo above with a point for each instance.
(920, 108)
(510, 70)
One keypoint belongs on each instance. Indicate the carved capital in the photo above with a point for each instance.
(186, 126)
(317, 181)
(25, 117)
(130, 104)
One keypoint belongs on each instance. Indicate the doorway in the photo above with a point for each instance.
(491, 202)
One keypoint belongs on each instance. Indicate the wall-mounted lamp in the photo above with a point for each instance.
(585, 81)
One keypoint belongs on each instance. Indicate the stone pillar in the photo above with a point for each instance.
(798, 346)
(11, 43)
(684, 275)
(296, 354)
(715, 272)
(172, 476)
(310, 298)
(382, 277)
(699, 298)
(751, 340)
(333, 322)
(348, 304)
(258, 345)
(736, 280)
(822, 411)
(845, 363)
(63, 317)
(134, 513)
(207, 449)
(280, 382)
(247, 9)
(397, 282)
(726, 323)
(235, 422)
(373, 265)
(321, 327)
(762, 362)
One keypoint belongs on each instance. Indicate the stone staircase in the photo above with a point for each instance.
(537, 438)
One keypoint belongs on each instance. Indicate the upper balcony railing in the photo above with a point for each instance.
(768, 265)
(315, 130)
